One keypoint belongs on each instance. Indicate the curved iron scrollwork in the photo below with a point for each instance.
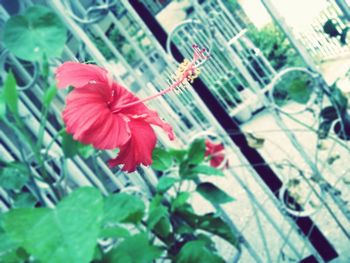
(92, 14)
(7, 59)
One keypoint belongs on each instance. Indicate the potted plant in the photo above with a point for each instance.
(333, 29)
(336, 116)
(300, 198)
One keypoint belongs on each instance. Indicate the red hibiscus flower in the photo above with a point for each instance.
(103, 113)
(216, 152)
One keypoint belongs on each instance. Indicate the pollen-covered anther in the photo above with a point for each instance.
(200, 53)
(193, 75)
(183, 67)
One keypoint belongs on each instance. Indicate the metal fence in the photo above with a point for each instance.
(236, 64)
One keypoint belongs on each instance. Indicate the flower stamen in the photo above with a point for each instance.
(187, 71)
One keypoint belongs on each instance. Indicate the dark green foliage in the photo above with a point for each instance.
(333, 29)
(213, 194)
(66, 233)
(337, 112)
(275, 46)
(10, 95)
(14, 176)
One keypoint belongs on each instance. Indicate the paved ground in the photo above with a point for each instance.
(278, 147)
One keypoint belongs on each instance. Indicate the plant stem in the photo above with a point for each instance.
(36, 151)
(20, 130)
(43, 119)
(52, 142)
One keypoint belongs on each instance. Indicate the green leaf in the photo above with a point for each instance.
(156, 201)
(208, 170)
(213, 194)
(180, 200)
(14, 176)
(186, 170)
(67, 233)
(37, 33)
(2, 105)
(331, 159)
(214, 224)
(49, 94)
(196, 152)
(24, 200)
(157, 211)
(163, 228)
(114, 232)
(134, 249)
(210, 222)
(2, 222)
(158, 220)
(206, 239)
(161, 159)
(179, 155)
(123, 208)
(8, 249)
(299, 90)
(339, 100)
(44, 67)
(329, 113)
(85, 150)
(187, 213)
(165, 183)
(155, 215)
(10, 93)
(70, 147)
(98, 255)
(197, 251)
(324, 129)
(184, 229)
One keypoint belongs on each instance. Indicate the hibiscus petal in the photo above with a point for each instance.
(212, 148)
(138, 111)
(216, 153)
(78, 75)
(153, 118)
(89, 119)
(217, 160)
(95, 115)
(138, 150)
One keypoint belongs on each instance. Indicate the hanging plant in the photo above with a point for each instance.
(275, 46)
(335, 116)
(300, 198)
(333, 29)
